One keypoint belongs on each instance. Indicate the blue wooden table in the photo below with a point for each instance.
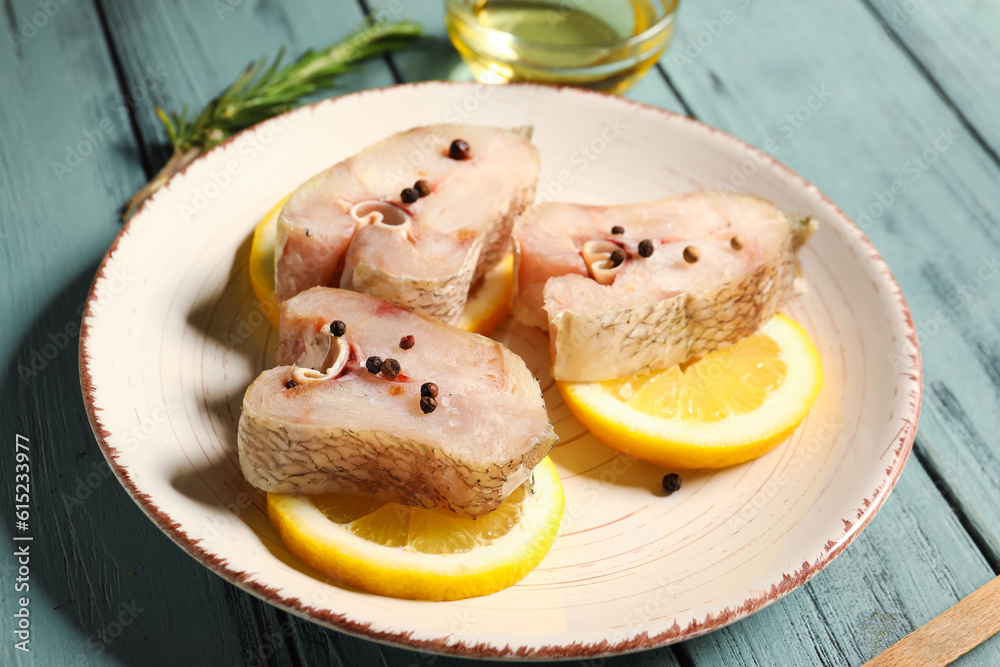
(857, 95)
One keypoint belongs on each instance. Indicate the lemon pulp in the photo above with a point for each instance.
(727, 407)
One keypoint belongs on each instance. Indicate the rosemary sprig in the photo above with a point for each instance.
(262, 91)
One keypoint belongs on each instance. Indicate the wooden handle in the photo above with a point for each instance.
(940, 641)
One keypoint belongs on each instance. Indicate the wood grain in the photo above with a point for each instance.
(950, 635)
(105, 585)
(913, 560)
(909, 563)
(879, 112)
(201, 47)
(955, 44)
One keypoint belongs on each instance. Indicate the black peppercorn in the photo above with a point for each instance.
(645, 248)
(428, 404)
(290, 384)
(671, 483)
(338, 328)
(459, 150)
(390, 369)
(617, 229)
(429, 390)
(409, 195)
(422, 187)
(374, 365)
(617, 257)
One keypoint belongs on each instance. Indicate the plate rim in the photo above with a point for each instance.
(484, 650)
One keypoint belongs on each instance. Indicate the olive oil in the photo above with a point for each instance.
(602, 44)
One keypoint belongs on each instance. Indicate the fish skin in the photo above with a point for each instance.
(351, 433)
(647, 320)
(452, 236)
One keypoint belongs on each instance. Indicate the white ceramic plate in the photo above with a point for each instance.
(172, 336)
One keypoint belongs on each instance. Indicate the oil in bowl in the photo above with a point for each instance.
(601, 44)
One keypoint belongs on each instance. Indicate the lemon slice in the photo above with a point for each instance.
(489, 301)
(730, 406)
(262, 248)
(488, 304)
(422, 554)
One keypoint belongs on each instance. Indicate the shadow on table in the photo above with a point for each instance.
(96, 563)
(99, 567)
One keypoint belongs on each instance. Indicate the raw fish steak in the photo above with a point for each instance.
(633, 288)
(324, 421)
(367, 225)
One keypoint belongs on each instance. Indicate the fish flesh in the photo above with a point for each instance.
(633, 288)
(353, 225)
(323, 422)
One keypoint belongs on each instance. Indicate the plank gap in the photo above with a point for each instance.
(120, 78)
(827, 626)
(937, 476)
(673, 89)
(8, 8)
(680, 651)
(931, 79)
(390, 63)
(284, 620)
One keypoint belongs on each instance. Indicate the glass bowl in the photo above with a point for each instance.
(601, 44)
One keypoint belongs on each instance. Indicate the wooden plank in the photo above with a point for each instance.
(436, 59)
(315, 641)
(880, 141)
(955, 43)
(810, 642)
(952, 633)
(911, 563)
(99, 570)
(202, 46)
(754, 71)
